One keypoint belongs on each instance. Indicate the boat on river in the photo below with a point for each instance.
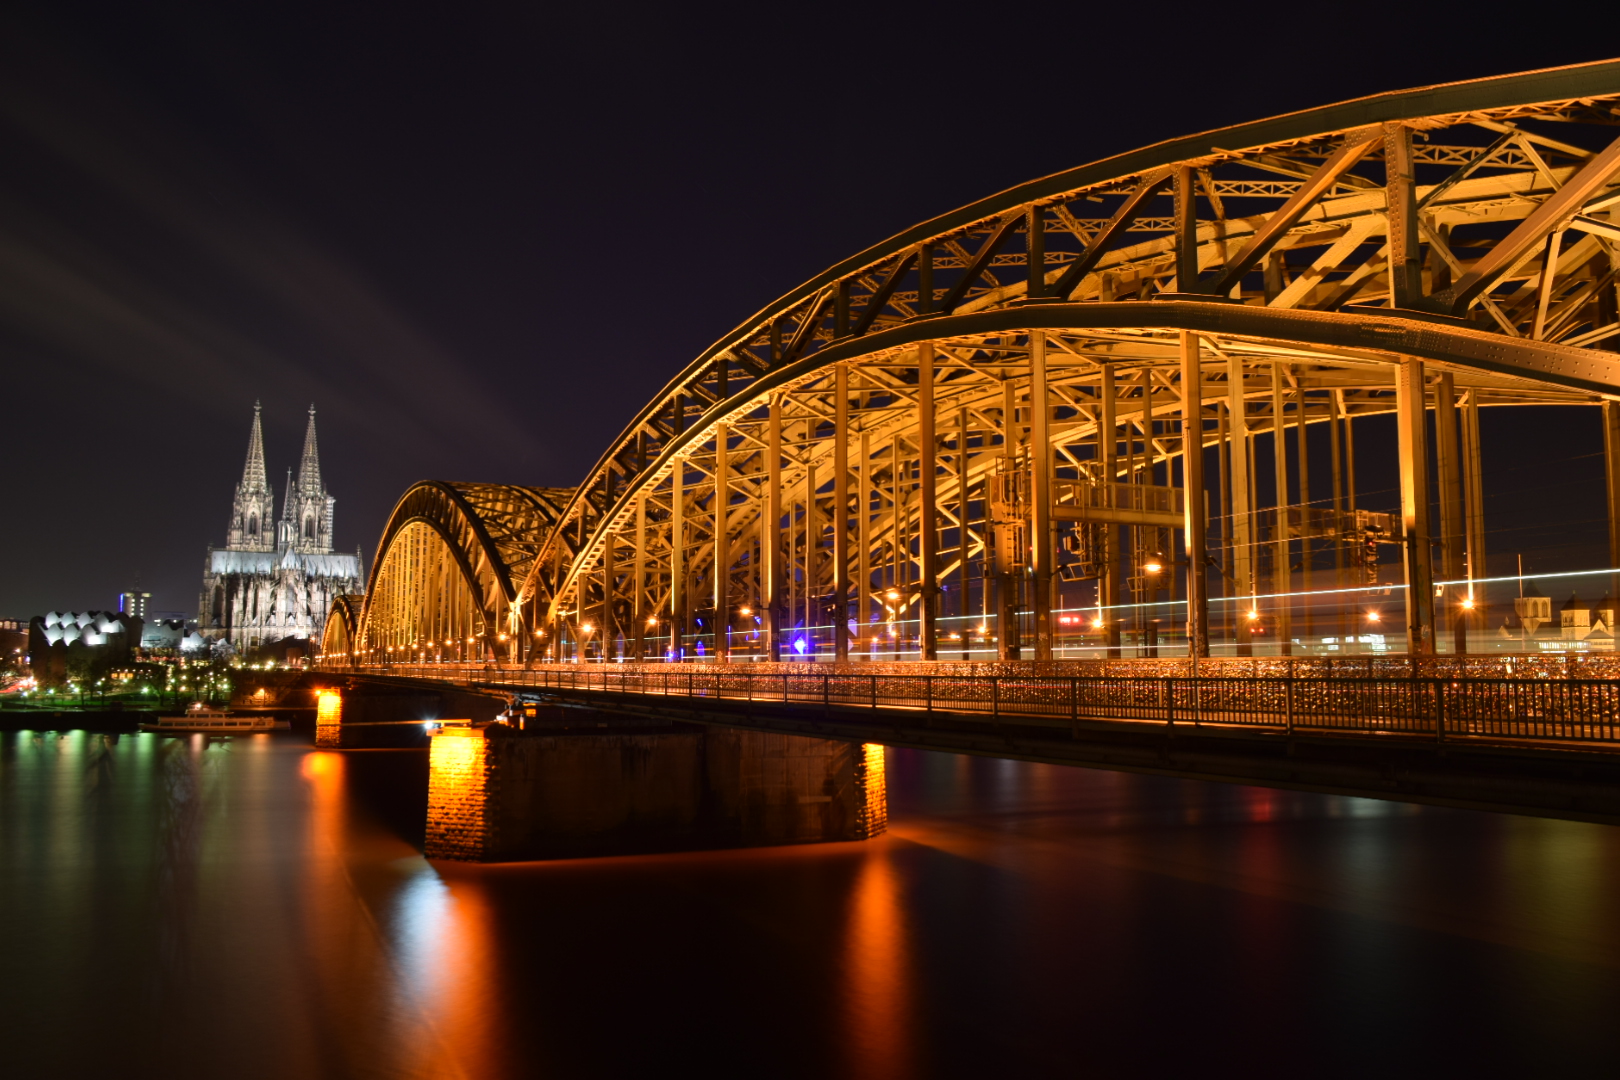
(214, 722)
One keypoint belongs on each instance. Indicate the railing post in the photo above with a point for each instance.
(1439, 710)
(874, 693)
(1074, 707)
(1168, 689)
(826, 695)
(995, 700)
(928, 697)
(1288, 706)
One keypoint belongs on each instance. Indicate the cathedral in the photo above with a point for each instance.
(276, 578)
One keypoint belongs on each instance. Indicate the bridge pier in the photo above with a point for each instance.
(587, 784)
(366, 715)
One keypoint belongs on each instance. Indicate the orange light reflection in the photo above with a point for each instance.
(877, 998)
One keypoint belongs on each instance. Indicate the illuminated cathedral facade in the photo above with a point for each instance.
(276, 578)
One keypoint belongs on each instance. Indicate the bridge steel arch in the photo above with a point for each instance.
(341, 635)
(997, 399)
(445, 580)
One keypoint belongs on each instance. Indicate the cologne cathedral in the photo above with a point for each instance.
(276, 578)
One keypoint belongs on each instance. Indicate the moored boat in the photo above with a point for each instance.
(200, 718)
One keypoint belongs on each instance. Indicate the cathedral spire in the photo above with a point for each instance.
(254, 508)
(309, 472)
(253, 478)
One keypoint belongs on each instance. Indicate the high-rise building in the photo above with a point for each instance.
(272, 582)
(133, 603)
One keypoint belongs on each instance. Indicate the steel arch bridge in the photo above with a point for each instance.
(916, 451)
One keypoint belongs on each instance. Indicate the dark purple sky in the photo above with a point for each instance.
(479, 239)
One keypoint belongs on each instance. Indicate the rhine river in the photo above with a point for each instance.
(253, 908)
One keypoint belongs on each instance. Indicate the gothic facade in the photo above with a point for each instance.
(276, 578)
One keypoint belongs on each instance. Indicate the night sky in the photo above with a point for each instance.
(478, 239)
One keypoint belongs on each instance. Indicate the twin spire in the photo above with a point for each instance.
(305, 523)
(309, 470)
(253, 478)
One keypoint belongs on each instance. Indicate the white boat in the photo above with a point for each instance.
(214, 722)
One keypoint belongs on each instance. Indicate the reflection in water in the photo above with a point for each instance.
(249, 907)
(876, 1003)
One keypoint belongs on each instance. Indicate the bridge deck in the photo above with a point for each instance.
(1569, 713)
(1546, 747)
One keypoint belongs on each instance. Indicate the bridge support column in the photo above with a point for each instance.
(1611, 465)
(362, 715)
(638, 581)
(570, 789)
(1282, 576)
(840, 521)
(677, 561)
(328, 719)
(863, 543)
(771, 534)
(1192, 472)
(610, 629)
(1447, 455)
(722, 543)
(1040, 494)
(1110, 587)
(1242, 504)
(1474, 500)
(927, 518)
(1410, 401)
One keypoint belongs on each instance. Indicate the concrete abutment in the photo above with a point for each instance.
(497, 793)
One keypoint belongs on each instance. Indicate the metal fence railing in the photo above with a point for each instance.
(1561, 710)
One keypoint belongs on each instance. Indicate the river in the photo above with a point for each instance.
(249, 907)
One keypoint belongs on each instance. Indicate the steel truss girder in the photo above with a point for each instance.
(1504, 180)
(1304, 337)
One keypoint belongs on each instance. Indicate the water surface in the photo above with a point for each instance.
(250, 907)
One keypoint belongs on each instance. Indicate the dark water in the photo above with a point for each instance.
(251, 908)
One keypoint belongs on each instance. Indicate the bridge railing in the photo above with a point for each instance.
(1561, 710)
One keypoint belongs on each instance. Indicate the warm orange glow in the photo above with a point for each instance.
(1152, 567)
(878, 989)
(1373, 616)
(454, 752)
(328, 707)
(1253, 615)
(1468, 603)
(745, 611)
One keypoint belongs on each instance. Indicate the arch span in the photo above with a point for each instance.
(448, 565)
(341, 636)
(959, 419)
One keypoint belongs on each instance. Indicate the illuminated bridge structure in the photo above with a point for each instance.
(932, 447)
(970, 442)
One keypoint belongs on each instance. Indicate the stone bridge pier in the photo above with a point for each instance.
(572, 783)
(568, 782)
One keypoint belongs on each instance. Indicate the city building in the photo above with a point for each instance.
(64, 644)
(134, 603)
(275, 579)
(162, 635)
